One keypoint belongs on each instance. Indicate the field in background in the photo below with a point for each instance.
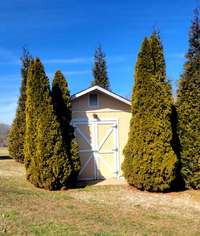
(3, 151)
(92, 210)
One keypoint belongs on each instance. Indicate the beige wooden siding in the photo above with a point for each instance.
(105, 102)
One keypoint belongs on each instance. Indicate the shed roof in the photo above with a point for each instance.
(102, 90)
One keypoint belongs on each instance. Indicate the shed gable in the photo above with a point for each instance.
(103, 102)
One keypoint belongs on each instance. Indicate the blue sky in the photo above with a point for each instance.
(65, 33)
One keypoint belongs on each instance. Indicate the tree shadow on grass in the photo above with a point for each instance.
(5, 157)
(86, 183)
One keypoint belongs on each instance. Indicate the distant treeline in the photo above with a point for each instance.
(3, 135)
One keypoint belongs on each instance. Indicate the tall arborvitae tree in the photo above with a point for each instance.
(150, 162)
(46, 160)
(17, 130)
(159, 67)
(100, 69)
(188, 107)
(62, 106)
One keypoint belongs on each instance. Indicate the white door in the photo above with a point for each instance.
(98, 148)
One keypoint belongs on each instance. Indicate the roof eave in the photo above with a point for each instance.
(98, 88)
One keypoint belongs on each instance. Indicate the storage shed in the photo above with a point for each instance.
(101, 121)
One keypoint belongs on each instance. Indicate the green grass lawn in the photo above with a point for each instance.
(92, 210)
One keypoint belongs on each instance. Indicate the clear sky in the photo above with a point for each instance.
(65, 33)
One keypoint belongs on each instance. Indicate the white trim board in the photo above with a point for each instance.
(91, 121)
(99, 111)
(105, 91)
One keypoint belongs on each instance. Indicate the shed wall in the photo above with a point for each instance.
(109, 108)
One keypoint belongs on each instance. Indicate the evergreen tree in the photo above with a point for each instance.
(150, 162)
(100, 69)
(17, 130)
(46, 161)
(159, 67)
(188, 107)
(62, 107)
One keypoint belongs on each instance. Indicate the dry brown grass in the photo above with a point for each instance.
(93, 210)
(3, 151)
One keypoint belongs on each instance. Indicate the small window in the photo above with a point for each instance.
(93, 100)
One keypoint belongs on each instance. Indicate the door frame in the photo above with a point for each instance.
(94, 151)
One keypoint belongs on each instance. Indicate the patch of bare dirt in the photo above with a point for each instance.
(126, 198)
